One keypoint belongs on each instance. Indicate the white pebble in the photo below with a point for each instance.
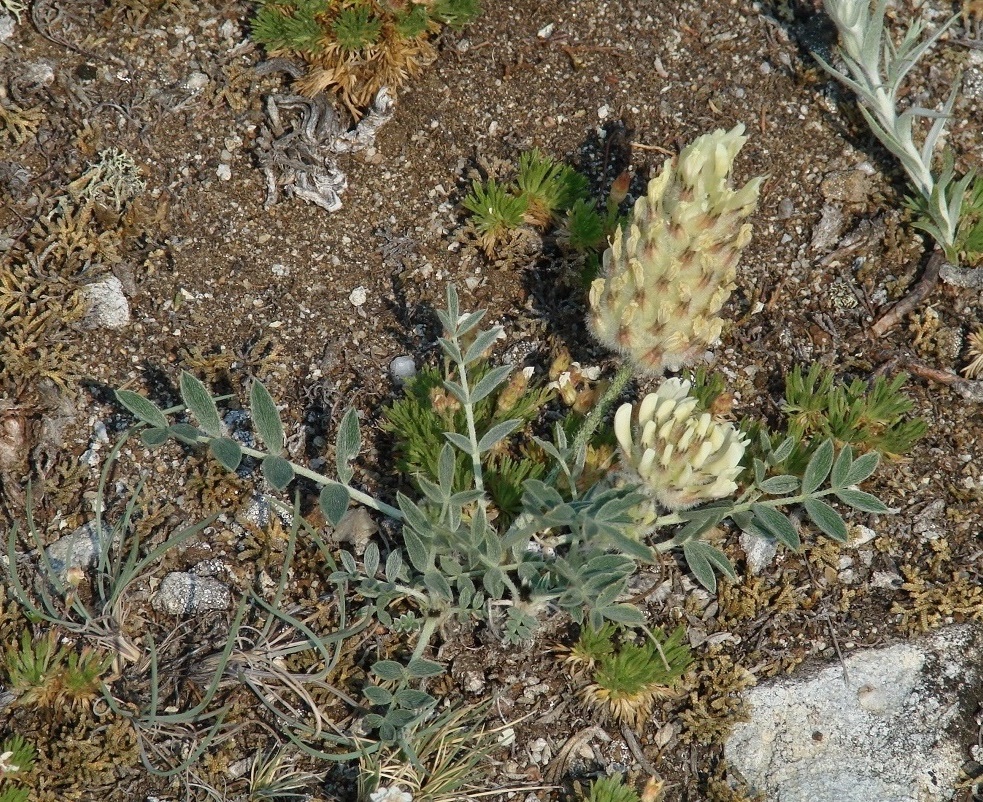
(358, 296)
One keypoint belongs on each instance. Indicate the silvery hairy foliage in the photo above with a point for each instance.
(875, 68)
(571, 549)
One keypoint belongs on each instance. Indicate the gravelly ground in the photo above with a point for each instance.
(224, 287)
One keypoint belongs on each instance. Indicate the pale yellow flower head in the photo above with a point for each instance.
(667, 275)
(680, 454)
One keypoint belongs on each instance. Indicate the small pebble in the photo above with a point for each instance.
(182, 593)
(358, 296)
(402, 369)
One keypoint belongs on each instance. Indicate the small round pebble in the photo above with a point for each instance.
(402, 369)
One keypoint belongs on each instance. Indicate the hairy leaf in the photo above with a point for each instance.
(827, 519)
(333, 502)
(348, 445)
(780, 485)
(777, 525)
(818, 468)
(489, 382)
(143, 408)
(497, 433)
(226, 451)
(485, 340)
(862, 501)
(197, 399)
(703, 559)
(278, 471)
(266, 418)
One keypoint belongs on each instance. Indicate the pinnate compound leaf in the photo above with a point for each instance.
(496, 434)
(491, 380)
(862, 468)
(197, 399)
(388, 670)
(155, 436)
(703, 559)
(142, 408)
(777, 525)
(227, 452)
(266, 419)
(780, 485)
(278, 471)
(348, 445)
(828, 520)
(818, 468)
(860, 500)
(333, 502)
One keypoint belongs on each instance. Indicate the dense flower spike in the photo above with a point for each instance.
(681, 454)
(667, 275)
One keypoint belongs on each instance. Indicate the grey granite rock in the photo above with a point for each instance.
(883, 726)
(182, 593)
(80, 549)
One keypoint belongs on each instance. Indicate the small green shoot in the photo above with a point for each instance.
(496, 212)
(356, 29)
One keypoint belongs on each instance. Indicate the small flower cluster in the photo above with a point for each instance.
(682, 455)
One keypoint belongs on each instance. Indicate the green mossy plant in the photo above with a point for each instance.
(611, 789)
(355, 48)
(47, 675)
(549, 196)
(16, 760)
(625, 679)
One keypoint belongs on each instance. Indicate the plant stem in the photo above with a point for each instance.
(319, 479)
(596, 415)
(786, 501)
(921, 291)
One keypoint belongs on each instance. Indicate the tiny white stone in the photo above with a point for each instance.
(603, 112)
(358, 296)
(108, 307)
(546, 31)
(224, 172)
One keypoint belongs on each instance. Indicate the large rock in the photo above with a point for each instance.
(893, 727)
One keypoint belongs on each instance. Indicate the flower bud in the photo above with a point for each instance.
(679, 453)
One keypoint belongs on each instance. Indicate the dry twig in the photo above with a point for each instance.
(921, 291)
